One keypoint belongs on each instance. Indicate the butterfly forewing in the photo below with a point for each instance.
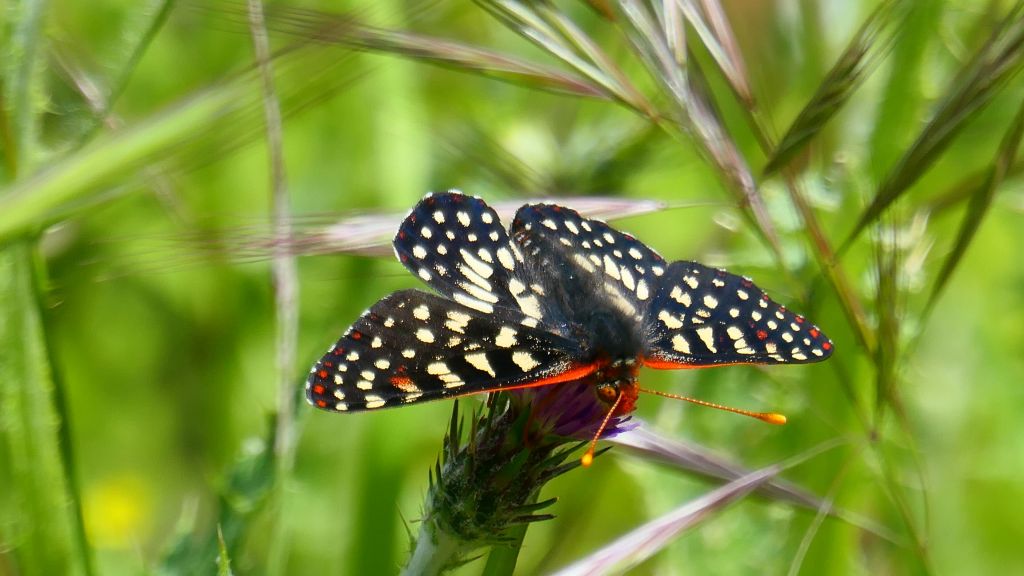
(703, 316)
(457, 244)
(414, 346)
(624, 269)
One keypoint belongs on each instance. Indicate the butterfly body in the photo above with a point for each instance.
(556, 298)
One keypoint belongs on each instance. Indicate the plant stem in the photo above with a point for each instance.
(436, 551)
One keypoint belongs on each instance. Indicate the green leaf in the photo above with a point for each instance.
(40, 524)
(223, 559)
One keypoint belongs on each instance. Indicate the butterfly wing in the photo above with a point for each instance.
(701, 316)
(581, 260)
(457, 245)
(415, 346)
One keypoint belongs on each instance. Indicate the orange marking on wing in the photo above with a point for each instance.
(403, 383)
(569, 375)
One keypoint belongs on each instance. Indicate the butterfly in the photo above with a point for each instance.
(555, 298)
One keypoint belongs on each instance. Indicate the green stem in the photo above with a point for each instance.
(436, 551)
(502, 559)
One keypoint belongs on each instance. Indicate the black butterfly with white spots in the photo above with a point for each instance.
(556, 298)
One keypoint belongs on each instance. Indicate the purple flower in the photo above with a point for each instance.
(572, 410)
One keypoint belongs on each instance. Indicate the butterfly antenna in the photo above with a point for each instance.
(769, 417)
(588, 457)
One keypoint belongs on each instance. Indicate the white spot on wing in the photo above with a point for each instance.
(424, 335)
(479, 267)
(529, 305)
(473, 303)
(437, 368)
(627, 278)
(642, 291)
(525, 361)
(670, 321)
(479, 361)
(505, 257)
(506, 337)
(680, 344)
(421, 312)
(707, 336)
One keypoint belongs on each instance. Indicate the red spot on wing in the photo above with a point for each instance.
(814, 333)
(761, 335)
(318, 389)
(357, 335)
(403, 383)
(321, 404)
(322, 374)
(827, 345)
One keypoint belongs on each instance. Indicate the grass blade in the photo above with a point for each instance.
(712, 27)
(868, 46)
(155, 24)
(225, 114)
(998, 60)
(36, 502)
(696, 115)
(643, 542)
(348, 31)
(978, 207)
(698, 460)
(26, 205)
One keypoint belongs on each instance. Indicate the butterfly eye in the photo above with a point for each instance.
(608, 392)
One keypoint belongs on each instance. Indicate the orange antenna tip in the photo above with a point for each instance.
(769, 417)
(588, 458)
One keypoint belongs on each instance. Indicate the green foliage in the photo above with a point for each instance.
(858, 159)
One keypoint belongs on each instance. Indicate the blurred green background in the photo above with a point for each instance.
(157, 310)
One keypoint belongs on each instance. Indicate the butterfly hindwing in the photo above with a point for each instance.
(415, 346)
(703, 316)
